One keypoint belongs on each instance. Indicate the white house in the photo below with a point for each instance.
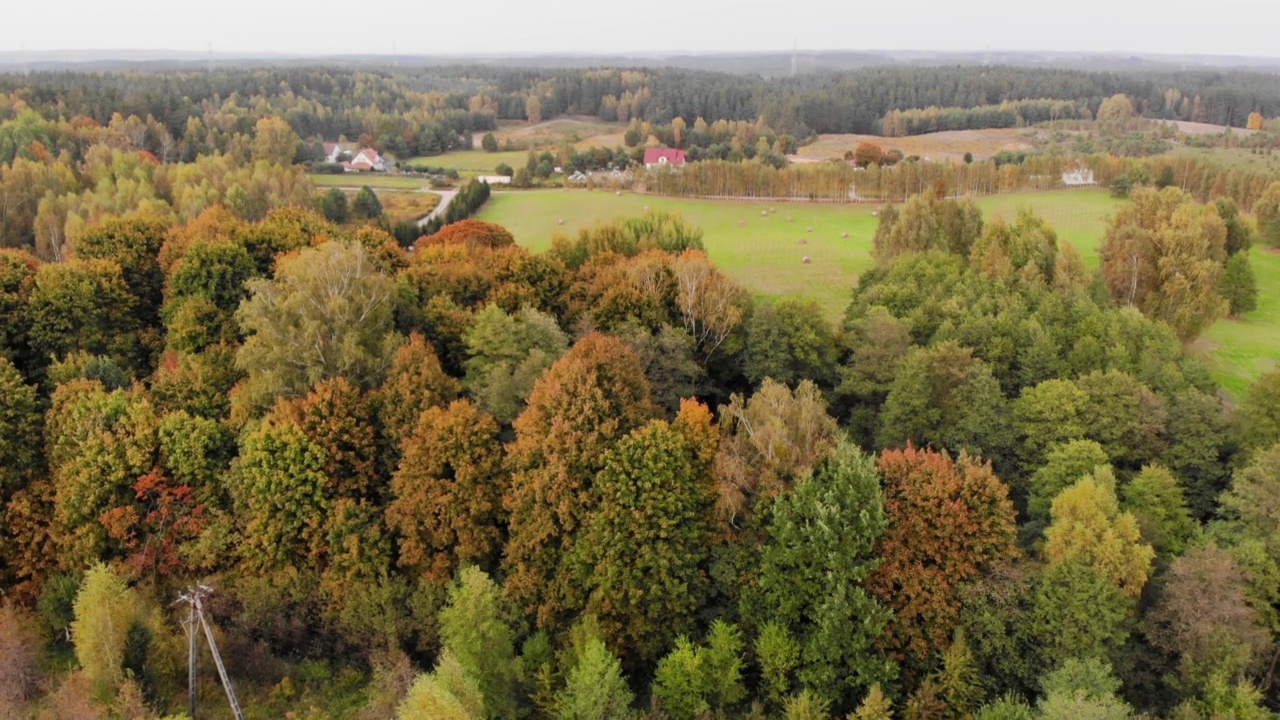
(1078, 177)
(365, 159)
(332, 152)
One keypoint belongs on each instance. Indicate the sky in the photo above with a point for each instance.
(321, 27)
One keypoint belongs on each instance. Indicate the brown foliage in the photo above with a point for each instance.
(447, 492)
(20, 650)
(339, 418)
(471, 233)
(767, 442)
(588, 399)
(414, 383)
(947, 522)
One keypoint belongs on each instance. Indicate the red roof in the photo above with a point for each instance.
(654, 156)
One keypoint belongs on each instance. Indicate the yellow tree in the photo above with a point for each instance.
(1088, 524)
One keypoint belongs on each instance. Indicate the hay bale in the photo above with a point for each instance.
(772, 210)
(809, 229)
(763, 213)
(789, 218)
(619, 193)
(844, 234)
(741, 223)
(805, 260)
(646, 208)
(560, 221)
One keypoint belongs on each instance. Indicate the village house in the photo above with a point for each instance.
(364, 160)
(663, 157)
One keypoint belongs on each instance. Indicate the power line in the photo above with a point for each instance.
(194, 598)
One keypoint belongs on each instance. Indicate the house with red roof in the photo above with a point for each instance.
(364, 160)
(663, 157)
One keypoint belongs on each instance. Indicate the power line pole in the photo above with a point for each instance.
(194, 597)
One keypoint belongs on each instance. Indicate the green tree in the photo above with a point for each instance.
(644, 544)
(778, 654)
(693, 680)
(595, 688)
(508, 354)
(202, 293)
(335, 206)
(367, 205)
(1044, 416)
(281, 496)
(1082, 690)
(1063, 466)
(1125, 416)
(82, 305)
(790, 341)
(1074, 612)
(489, 143)
(19, 432)
(1252, 504)
(474, 631)
(1156, 501)
(875, 342)
(447, 693)
(1258, 414)
(820, 551)
(1239, 285)
(958, 681)
(1267, 211)
(1239, 233)
(945, 398)
(328, 312)
(134, 245)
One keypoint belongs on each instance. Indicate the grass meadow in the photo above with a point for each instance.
(375, 181)
(763, 250)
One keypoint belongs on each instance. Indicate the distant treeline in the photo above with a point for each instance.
(841, 182)
(424, 110)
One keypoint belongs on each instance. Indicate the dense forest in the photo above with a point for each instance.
(453, 478)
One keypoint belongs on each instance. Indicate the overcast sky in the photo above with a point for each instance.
(1218, 27)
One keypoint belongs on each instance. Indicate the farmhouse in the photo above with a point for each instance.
(366, 159)
(663, 157)
(1078, 178)
(332, 151)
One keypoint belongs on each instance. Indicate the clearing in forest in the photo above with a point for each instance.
(949, 145)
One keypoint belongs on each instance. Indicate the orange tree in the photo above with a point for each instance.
(586, 401)
(948, 521)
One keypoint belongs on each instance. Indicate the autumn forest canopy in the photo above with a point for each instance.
(430, 473)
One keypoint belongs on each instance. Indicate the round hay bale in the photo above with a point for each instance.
(741, 223)
(560, 221)
(844, 234)
(763, 213)
(875, 213)
(803, 241)
(619, 193)
(772, 210)
(805, 260)
(789, 218)
(809, 229)
(646, 207)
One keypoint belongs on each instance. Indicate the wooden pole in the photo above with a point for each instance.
(191, 661)
(217, 660)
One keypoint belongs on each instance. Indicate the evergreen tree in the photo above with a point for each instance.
(1239, 285)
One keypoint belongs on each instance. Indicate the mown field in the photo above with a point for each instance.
(765, 252)
(950, 145)
(582, 132)
(373, 180)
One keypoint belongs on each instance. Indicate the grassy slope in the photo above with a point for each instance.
(764, 253)
(1241, 350)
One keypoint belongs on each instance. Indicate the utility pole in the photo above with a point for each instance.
(194, 597)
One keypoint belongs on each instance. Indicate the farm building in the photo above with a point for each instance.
(366, 159)
(1079, 177)
(663, 157)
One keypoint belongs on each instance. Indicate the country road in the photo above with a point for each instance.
(446, 197)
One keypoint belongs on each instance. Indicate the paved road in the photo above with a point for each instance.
(446, 197)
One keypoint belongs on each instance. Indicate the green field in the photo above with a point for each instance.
(1241, 350)
(472, 162)
(374, 181)
(765, 253)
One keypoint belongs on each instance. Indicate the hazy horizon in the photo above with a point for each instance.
(1234, 28)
